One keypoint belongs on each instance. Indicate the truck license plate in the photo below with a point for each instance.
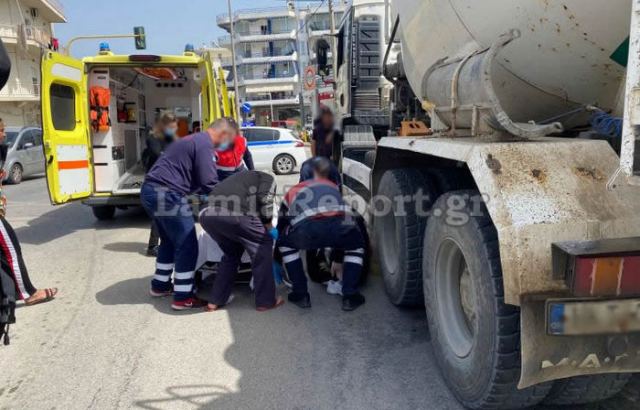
(593, 318)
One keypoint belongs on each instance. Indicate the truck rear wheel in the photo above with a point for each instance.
(475, 335)
(104, 212)
(399, 234)
(586, 389)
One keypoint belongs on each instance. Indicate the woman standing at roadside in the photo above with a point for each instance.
(163, 133)
(11, 260)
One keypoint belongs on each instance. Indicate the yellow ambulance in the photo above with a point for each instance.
(97, 112)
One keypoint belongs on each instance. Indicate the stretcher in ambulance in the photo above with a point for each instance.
(96, 114)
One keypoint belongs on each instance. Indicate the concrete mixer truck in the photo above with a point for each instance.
(511, 208)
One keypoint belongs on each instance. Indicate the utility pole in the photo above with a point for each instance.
(334, 41)
(233, 62)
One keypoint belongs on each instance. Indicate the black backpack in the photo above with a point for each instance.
(7, 305)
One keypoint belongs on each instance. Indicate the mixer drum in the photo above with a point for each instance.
(567, 54)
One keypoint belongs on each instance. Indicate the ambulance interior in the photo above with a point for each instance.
(137, 97)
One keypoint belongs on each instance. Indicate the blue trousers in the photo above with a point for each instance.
(336, 233)
(178, 241)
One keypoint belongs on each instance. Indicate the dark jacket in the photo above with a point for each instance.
(249, 193)
(155, 148)
(186, 167)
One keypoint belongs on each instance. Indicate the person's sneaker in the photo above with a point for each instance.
(187, 304)
(352, 302)
(155, 293)
(334, 287)
(302, 301)
(152, 251)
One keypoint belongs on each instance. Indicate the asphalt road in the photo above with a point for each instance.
(104, 344)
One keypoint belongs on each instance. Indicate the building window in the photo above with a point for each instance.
(63, 107)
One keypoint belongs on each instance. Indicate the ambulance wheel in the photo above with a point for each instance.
(586, 389)
(104, 213)
(15, 174)
(284, 164)
(399, 234)
(474, 334)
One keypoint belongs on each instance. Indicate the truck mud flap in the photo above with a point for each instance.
(546, 357)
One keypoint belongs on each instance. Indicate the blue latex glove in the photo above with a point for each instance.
(274, 233)
(277, 273)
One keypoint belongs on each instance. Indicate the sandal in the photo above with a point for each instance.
(279, 302)
(50, 294)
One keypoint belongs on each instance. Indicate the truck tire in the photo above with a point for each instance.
(104, 212)
(586, 389)
(474, 334)
(399, 236)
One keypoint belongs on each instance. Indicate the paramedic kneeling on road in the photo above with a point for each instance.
(313, 215)
(186, 167)
(239, 218)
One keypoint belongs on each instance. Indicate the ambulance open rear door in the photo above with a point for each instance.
(65, 127)
(210, 101)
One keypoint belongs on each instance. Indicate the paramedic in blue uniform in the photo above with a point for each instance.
(313, 215)
(239, 219)
(186, 167)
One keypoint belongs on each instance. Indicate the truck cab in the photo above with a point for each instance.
(93, 149)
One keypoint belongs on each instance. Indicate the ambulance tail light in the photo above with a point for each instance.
(606, 268)
(144, 58)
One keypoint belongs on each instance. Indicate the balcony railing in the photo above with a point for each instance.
(31, 33)
(17, 90)
(247, 13)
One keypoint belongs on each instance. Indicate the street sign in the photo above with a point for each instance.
(310, 78)
(246, 108)
(140, 38)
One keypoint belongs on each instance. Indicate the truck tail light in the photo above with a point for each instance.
(607, 276)
(599, 268)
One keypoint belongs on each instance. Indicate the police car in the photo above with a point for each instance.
(275, 149)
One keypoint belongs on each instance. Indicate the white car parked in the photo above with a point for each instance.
(275, 149)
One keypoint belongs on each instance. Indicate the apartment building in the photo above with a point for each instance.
(273, 47)
(268, 61)
(26, 27)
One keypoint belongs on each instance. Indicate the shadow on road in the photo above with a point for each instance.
(180, 396)
(68, 219)
(376, 357)
(136, 292)
(127, 247)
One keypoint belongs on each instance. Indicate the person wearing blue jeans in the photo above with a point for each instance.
(186, 167)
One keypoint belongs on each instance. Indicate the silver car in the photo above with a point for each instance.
(25, 156)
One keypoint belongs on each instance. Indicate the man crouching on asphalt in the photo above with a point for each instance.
(238, 218)
(186, 167)
(313, 215)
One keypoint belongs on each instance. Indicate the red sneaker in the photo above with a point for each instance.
(187, 304)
